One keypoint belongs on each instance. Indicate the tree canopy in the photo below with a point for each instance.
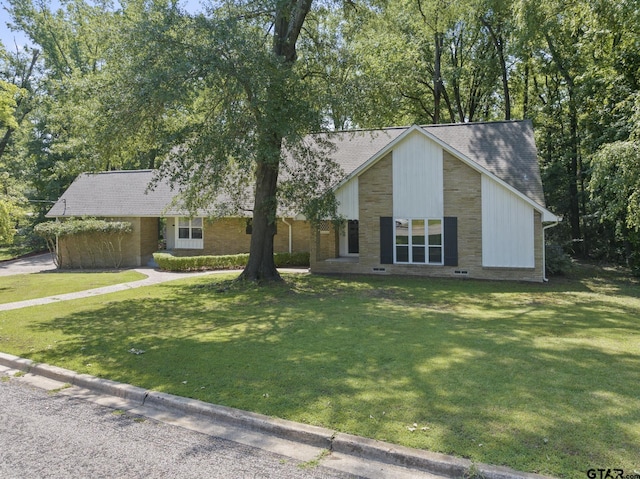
(217, 101)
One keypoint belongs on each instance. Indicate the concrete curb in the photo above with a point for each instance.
(364, 448)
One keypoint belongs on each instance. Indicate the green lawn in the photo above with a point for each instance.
(14, 251)
(541, 378)
(39, 285)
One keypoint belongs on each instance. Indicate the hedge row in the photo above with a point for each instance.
(75, 226)
(168, 262)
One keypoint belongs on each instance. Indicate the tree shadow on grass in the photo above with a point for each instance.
(535, 380)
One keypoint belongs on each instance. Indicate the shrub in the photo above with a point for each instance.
(285, 260)
(170, 262)
(99, 238)
(558, 263)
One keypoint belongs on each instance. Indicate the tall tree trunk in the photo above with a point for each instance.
(574, 146)
(498, 43)
(437, 76)
(289, 18)
(574, 173)
(525, 98)
(261, 265)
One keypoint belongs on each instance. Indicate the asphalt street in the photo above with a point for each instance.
(51, 435)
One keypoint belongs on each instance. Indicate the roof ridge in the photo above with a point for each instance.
(423, 125)
(117, 171)
(475, 123)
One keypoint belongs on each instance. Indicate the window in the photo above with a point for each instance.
(189, 233)
(190, 228)
(418, 240)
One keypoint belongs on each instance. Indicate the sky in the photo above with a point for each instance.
(7, 36)
(10, 38)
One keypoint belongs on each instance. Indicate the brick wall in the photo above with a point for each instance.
(375, 198)
(228, 236)
(149, 235)
(462, 199)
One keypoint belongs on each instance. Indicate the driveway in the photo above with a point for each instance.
(30, 264)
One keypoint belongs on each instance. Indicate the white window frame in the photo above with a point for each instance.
(410, 244)
(192, 225)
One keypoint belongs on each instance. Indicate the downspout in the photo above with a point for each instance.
(56, 254)
(544, 251)
(284, 220)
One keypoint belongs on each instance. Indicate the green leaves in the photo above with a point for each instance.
(8, 104)
(615, 183)
(73, 227)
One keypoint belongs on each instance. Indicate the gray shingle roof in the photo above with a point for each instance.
(506, 149)
(114, 194)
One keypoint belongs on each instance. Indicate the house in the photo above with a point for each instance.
(157, 222)
(443, 200)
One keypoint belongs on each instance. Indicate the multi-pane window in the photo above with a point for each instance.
(418, 240)
(190, 228)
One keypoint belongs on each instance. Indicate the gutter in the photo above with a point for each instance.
(284, 220)
(544, 253)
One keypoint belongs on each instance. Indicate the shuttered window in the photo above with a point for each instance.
(419, 241)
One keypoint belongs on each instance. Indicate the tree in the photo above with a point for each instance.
(615, 191)
(232, 107)
(17, 73)
(495, 16)
(8, 104)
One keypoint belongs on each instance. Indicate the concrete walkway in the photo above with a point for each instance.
(41, 263)
(153, 277)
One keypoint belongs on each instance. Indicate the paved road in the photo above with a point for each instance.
(46, 435)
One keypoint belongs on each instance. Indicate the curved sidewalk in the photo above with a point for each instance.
(154, 276)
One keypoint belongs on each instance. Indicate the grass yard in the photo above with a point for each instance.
(39, 285)
(541, 378)
(14, 251)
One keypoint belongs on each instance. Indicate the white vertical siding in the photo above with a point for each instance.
(507, 228)
(417, 178)
(347, 197)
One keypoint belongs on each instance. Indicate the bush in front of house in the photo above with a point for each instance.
(169, 262)
(100, 240)
(558, 262)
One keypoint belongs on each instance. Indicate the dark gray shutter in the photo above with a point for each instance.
(353, 240)
(386, 240)
(450, 241)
